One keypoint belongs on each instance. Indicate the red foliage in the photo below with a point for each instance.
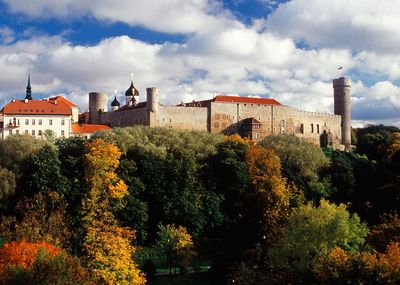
(23, 253)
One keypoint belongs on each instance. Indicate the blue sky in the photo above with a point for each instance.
(193, 49)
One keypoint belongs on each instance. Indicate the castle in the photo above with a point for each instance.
(250, 117)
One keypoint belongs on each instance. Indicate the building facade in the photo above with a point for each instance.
(255, 118)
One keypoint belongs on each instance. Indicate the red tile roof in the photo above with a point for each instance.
(88, 128)
(37, 107)
(239, 99)
(61, 98)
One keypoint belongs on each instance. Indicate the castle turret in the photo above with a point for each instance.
(152, 99)
(341, 88)
(131, 95)
(97, 105)
(115, 104)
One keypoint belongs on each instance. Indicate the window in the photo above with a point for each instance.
(33, 132)
(62, 122)
(62, 133)
(312, 128)
(26, 122)
(26, 132)
(317, 129)
(40, 132)
(17, 132)
(40, 122)
(50, 122)
(33, 122)
(10, 132)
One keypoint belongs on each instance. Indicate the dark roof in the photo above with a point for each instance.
(132, 91)
(115, 102)
(138, 106)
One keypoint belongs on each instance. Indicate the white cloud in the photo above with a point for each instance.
(219, 55)
(175, 16)
(355, 25)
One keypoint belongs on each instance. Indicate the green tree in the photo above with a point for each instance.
(312, 233)
(302, 163)
(7, 188)
(176, 244)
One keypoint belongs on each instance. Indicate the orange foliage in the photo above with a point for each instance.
(22, 253)
(237, 138)
(367, 267)
(272, 194)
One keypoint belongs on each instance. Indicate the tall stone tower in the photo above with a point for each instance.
(152, 99)
(341, 87)
(97, 105)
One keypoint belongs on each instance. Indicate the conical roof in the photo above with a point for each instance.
(115, 102)
(132, 91)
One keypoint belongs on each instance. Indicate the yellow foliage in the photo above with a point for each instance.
(110, 252)
(108, 246)
(271, 190)
(237, 138)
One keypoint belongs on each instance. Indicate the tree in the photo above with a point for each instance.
(302, 163)
(108, 246)
(344, 267)
(43, 218)
(44, 172)
(39, 263)
(271, 192)
(176, 244)
(312, 233)
(7, 188)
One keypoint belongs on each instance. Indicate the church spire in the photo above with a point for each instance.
(28, 87)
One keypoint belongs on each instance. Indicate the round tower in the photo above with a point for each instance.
(97, 105)
(152, 99)
(341, 87)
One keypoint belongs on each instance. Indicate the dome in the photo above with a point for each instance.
(115, 102)
(132, 91)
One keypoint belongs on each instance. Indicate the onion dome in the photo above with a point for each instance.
(132, 91)
(115, 102)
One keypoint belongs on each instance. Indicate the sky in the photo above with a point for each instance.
(195, 49)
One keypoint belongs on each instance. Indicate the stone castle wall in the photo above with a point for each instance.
(228, 118)
(181, 118)
(125, 118)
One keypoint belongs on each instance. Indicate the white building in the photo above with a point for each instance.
(34, 117)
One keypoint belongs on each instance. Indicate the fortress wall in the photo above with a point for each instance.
(275, 119)
(125, 118)
(307, 125)
(224, 117)
(181, 118)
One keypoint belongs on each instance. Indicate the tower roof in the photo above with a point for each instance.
(132, 91)
(115, 102)
(28, 88)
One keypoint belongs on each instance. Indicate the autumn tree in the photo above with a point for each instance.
(176, 245)
(344, 267)
(271, 192)
(302, 163)
(107, 245)
(24, 262)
